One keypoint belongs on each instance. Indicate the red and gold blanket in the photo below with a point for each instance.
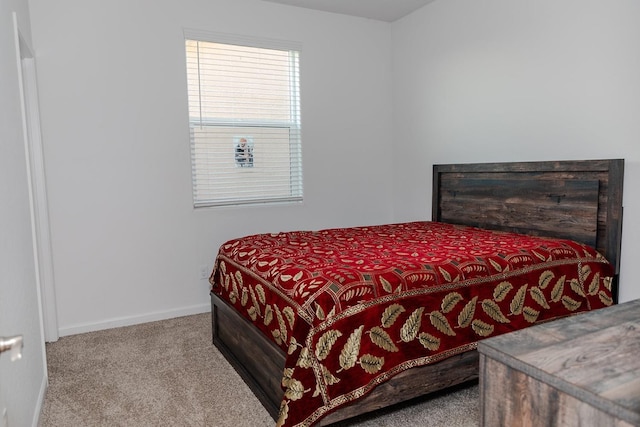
(352, 307)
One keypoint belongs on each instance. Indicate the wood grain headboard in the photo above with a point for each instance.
(579, 200)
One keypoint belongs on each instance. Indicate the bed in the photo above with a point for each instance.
(323, 326)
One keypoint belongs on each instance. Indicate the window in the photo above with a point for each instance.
(244, 120)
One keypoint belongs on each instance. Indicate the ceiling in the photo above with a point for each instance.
(381, 10)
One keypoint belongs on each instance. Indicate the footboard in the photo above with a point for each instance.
(261, 363)
(257, 360)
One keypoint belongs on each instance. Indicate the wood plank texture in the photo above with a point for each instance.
(518, 400)
(412, 383)
(554, 198)
(571, 371)
(557, 208)
(257, 360)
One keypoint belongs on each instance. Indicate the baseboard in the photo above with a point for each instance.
(134, 320)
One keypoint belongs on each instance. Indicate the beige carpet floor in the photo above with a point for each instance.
(168, 373)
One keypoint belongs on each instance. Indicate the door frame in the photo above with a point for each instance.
(34, 152)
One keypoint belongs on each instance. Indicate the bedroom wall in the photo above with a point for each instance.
(127, 244)
(504, 80)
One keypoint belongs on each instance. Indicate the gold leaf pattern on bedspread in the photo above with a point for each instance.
(388, 298)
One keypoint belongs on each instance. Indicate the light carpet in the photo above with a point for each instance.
(168, 373)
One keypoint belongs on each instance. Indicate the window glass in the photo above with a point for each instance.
(244, 119)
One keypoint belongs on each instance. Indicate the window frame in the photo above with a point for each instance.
(293, 125)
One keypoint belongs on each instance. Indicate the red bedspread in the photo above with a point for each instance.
(353, 307)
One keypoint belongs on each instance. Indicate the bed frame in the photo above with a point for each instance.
(579, 200)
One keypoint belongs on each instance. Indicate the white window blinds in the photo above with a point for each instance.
(244, 120)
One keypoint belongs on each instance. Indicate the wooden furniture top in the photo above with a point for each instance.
(593, 357)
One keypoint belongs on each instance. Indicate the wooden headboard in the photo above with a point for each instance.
(579, 200)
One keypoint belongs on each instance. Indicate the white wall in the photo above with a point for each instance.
(127, 244)
(466, 81)
(505, 80)
(22, 383)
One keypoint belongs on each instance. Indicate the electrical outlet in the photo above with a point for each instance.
(204, 272)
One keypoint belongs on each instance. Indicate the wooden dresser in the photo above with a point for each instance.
(579, 371)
